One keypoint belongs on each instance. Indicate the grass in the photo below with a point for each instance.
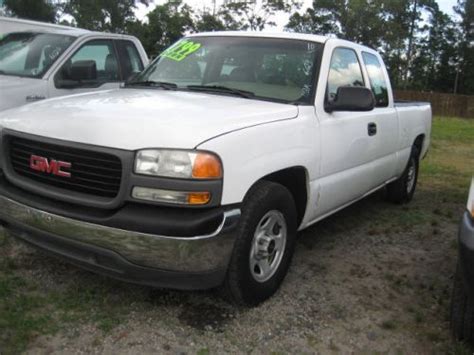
(450, 161)
(22, 311)
(28, 309)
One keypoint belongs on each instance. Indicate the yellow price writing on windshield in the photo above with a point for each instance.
(181, 50)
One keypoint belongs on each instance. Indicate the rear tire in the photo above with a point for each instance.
(462, 310)
(402, 189)
(264, 246)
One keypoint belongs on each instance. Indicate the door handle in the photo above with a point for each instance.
(372, 129)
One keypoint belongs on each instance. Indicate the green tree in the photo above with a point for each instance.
(39, 10)
(415, 10)
(166, 24)
(207, 22)
(396, 14)
(313, 21)
(254, 15)
(465, 71)
(102, 15)
(355, 20)
(417, 53)
(434, 64)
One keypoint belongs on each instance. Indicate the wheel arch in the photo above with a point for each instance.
(295, 179)
(418, 143)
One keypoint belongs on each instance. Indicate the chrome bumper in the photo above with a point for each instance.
(178, 254)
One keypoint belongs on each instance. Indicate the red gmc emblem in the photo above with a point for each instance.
(50, 166)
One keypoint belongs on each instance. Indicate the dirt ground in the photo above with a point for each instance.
(374, 278)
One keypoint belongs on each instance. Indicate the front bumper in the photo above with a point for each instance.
(466, 250)
(191, 262)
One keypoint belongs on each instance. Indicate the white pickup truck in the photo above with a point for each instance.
(199, 172)
(39, 61)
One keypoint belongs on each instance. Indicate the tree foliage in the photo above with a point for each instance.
(206, 22)
(40, 10)
(421, 45)
(254, 15)
(424, 48)
(465, 70)
(102, 15)
(166, 24)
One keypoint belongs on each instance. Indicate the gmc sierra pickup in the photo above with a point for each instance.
(199, 172)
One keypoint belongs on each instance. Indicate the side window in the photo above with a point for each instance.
(344, 71)
(94, 64)
(129, 58)
(377, 79)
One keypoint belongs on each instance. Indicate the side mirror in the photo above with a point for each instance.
(352, 98)
(79, 74)
(83, 70)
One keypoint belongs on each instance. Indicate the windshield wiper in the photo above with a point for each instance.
(161, 84)
(224, 89)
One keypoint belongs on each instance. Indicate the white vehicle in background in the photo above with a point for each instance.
(39, 61)
(462, 300)
(12, 24)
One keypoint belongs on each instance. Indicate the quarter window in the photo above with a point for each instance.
(377, 79)
(344, 71)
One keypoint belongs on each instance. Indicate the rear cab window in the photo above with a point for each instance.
(378, 82)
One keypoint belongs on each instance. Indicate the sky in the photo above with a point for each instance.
(280, 19)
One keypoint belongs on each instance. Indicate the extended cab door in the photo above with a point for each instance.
(347, 144)
(385, 119)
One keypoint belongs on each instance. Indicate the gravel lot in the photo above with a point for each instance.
(373, 278)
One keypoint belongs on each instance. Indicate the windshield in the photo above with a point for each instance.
(266, 68)
(31, 54)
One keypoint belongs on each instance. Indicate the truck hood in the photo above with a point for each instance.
(15, 89)
(142, 118)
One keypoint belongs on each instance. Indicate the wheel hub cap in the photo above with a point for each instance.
(268, 246)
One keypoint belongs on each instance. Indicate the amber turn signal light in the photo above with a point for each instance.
(207, 166)
(198, 198)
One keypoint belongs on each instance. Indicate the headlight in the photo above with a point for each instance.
(178, 164)
(470, 200)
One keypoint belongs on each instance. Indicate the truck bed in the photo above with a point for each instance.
(405, 103)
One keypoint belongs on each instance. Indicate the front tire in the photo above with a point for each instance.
(264, 246)
(402, 189)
